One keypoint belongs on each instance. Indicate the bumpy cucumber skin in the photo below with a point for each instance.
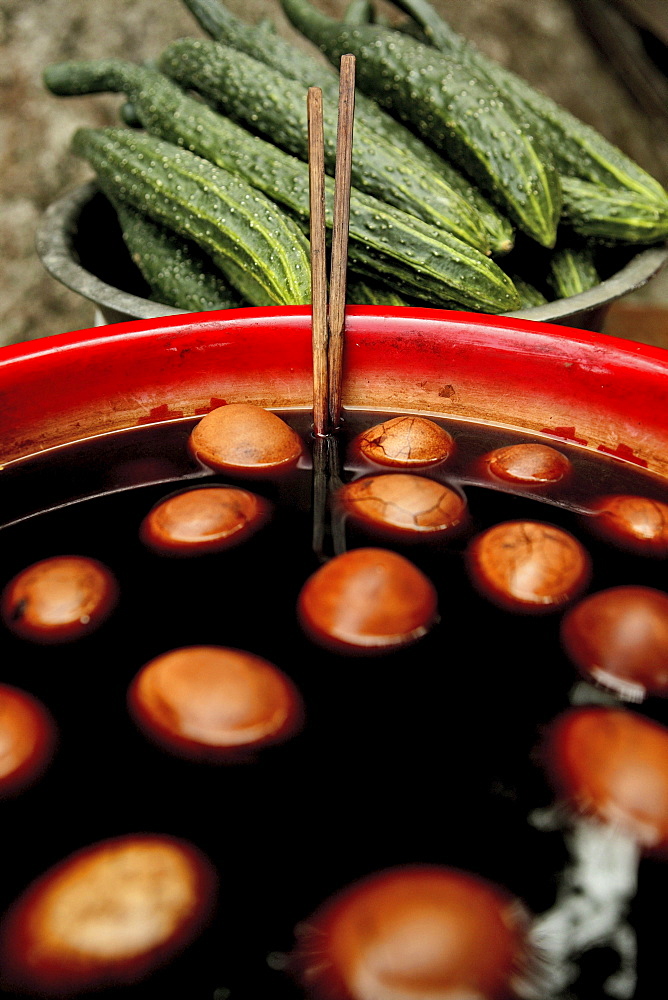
(261, 251)
(613, 215)
(260, 97)
(455, 112)
(578, 150)
(435, 267)
(464, 274)
(292, 62)
(176, 271)
(572, 270)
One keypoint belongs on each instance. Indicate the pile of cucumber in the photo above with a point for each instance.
(470, 189)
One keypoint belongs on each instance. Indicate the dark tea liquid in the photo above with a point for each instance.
(422, 755)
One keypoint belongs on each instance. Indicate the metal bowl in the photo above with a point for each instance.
(71, 247)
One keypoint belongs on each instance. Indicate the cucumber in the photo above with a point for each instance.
(435, 266)
(259, 249)
(530, 296)
(363, 12)
(362, 292)
(464, 117)
(440, 261)
(296, 64)
(572, 270)
(176, 270)
(223, 26)
(578, 150)
(274, 106)
(613, 215)
(368, 267)
(360, 12)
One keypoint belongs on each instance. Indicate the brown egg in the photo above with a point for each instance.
(402, 505)
(619, 638)
(613, 765)
(27, 736)
(528, 566)
(415, 933)
(529, 464)
(635, 523)
(367, 601)
(107, 915)
(206, 519)
(243, 439)
(59, 599)
(405, 441)
(214, 703)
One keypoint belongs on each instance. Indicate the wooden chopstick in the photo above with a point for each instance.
(327, 332)
(319, 335)
(339, 260)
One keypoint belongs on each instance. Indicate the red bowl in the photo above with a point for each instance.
(583, 388)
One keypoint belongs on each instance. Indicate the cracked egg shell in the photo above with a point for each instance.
(612, 765)
(638, 524)
(403, 505)
(367, 601)
(619, 639)
(414, 933)
(59, 599)
(528, 566)
(27, 738)
(212, 703)
(202, 520)
(244, 439)
(106, 916)
(406, 441)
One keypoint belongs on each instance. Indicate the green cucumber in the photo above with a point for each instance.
(362, 292)
(613, 215)
(530, 296)
(434, 265)
(176, 270)
(296, 64)
(261, 98)
(572, 270)
(363, 12)
(458, 114)
(578, 150)
(440, 261)
(259, 249)
(360, 12)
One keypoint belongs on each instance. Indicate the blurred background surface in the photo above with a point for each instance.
(548, 42)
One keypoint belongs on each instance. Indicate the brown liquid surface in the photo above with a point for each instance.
(425, 755)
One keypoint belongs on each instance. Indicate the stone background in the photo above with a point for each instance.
(542, 40)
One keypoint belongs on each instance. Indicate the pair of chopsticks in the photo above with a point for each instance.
(328, 323)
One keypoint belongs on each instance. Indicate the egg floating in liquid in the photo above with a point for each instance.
(59, 599)
(212, 703)
(27, 737)
(106, 916)
(418, 932)
(203, 520)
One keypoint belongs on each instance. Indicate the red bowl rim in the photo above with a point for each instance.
(585, 388)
